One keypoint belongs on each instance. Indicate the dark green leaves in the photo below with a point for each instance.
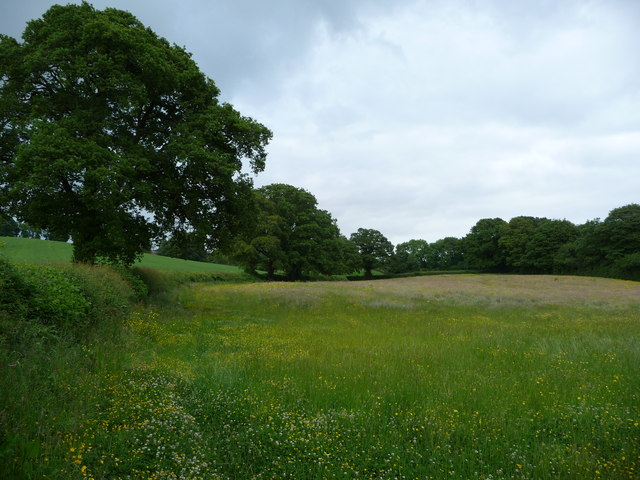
(374, 248)
(292, 235)
(114, 136)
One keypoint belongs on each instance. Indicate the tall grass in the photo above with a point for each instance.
(467, 377)
(59, 326)
(315, 381)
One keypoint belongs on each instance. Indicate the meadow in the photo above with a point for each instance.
(45, 251)
(452, 376)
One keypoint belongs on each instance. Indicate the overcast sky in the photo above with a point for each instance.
(419, 118)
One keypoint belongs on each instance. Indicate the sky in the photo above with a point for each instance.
(418, 118)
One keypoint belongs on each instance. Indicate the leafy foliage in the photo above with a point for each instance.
(38, 301)
(375, 250)
(544, 245)
(540, 245)
(9, 227)
(611, 247)
(112, 136)
(481, 245)
(410, 256)
(514, 238)
(446, 254)
(185, 245)
(290, 233)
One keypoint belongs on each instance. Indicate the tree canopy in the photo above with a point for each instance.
(446, 254)
(375, 250)
(410, 256)
(114, 137)
(482, 249)
(291, 234)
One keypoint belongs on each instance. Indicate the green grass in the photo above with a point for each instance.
(45, 251)
(461, 376)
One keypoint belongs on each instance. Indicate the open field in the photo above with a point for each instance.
(466, 377)
(45, 251)
(454, 376)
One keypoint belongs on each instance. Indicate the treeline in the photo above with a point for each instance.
(288, 236)
(533, 245)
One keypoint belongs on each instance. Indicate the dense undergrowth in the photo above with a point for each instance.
(63, 337)
(48, 317)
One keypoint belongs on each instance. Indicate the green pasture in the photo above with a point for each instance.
(44, 251)
(465, 377)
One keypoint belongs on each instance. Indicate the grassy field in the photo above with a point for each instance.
(465, 377)
(43, 251)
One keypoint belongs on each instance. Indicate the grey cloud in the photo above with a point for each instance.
(420, 117)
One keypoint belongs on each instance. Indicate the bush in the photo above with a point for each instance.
(40, 301)
(627, 267)
(109, 294)
(54, 298)
(13, 288)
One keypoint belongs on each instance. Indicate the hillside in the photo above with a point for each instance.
(45, 251)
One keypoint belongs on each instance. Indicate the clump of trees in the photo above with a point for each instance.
(289, 233)
(374, 249)
(185, 245)
(9, 227)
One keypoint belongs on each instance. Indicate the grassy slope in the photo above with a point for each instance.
(43, 251)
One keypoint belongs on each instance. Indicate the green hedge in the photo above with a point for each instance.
(162, 281)
(59, 300)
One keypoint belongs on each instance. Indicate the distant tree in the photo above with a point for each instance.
(545, 244)
(514, 239)
(410, 256)
(185, 245)
(28, 231)
(617, 242)
(55, 236)
(291, 234)
(446, 254)
(374, 248)
(619, 234)
(581, 255)
(9, 227)
(481, 245)
(112, 136)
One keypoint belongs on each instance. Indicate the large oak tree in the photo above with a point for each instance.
(113, 136)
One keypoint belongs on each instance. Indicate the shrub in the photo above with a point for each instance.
(54, 298)
(44, 300)
(159, 282)
(13, 289)
(109, 294)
